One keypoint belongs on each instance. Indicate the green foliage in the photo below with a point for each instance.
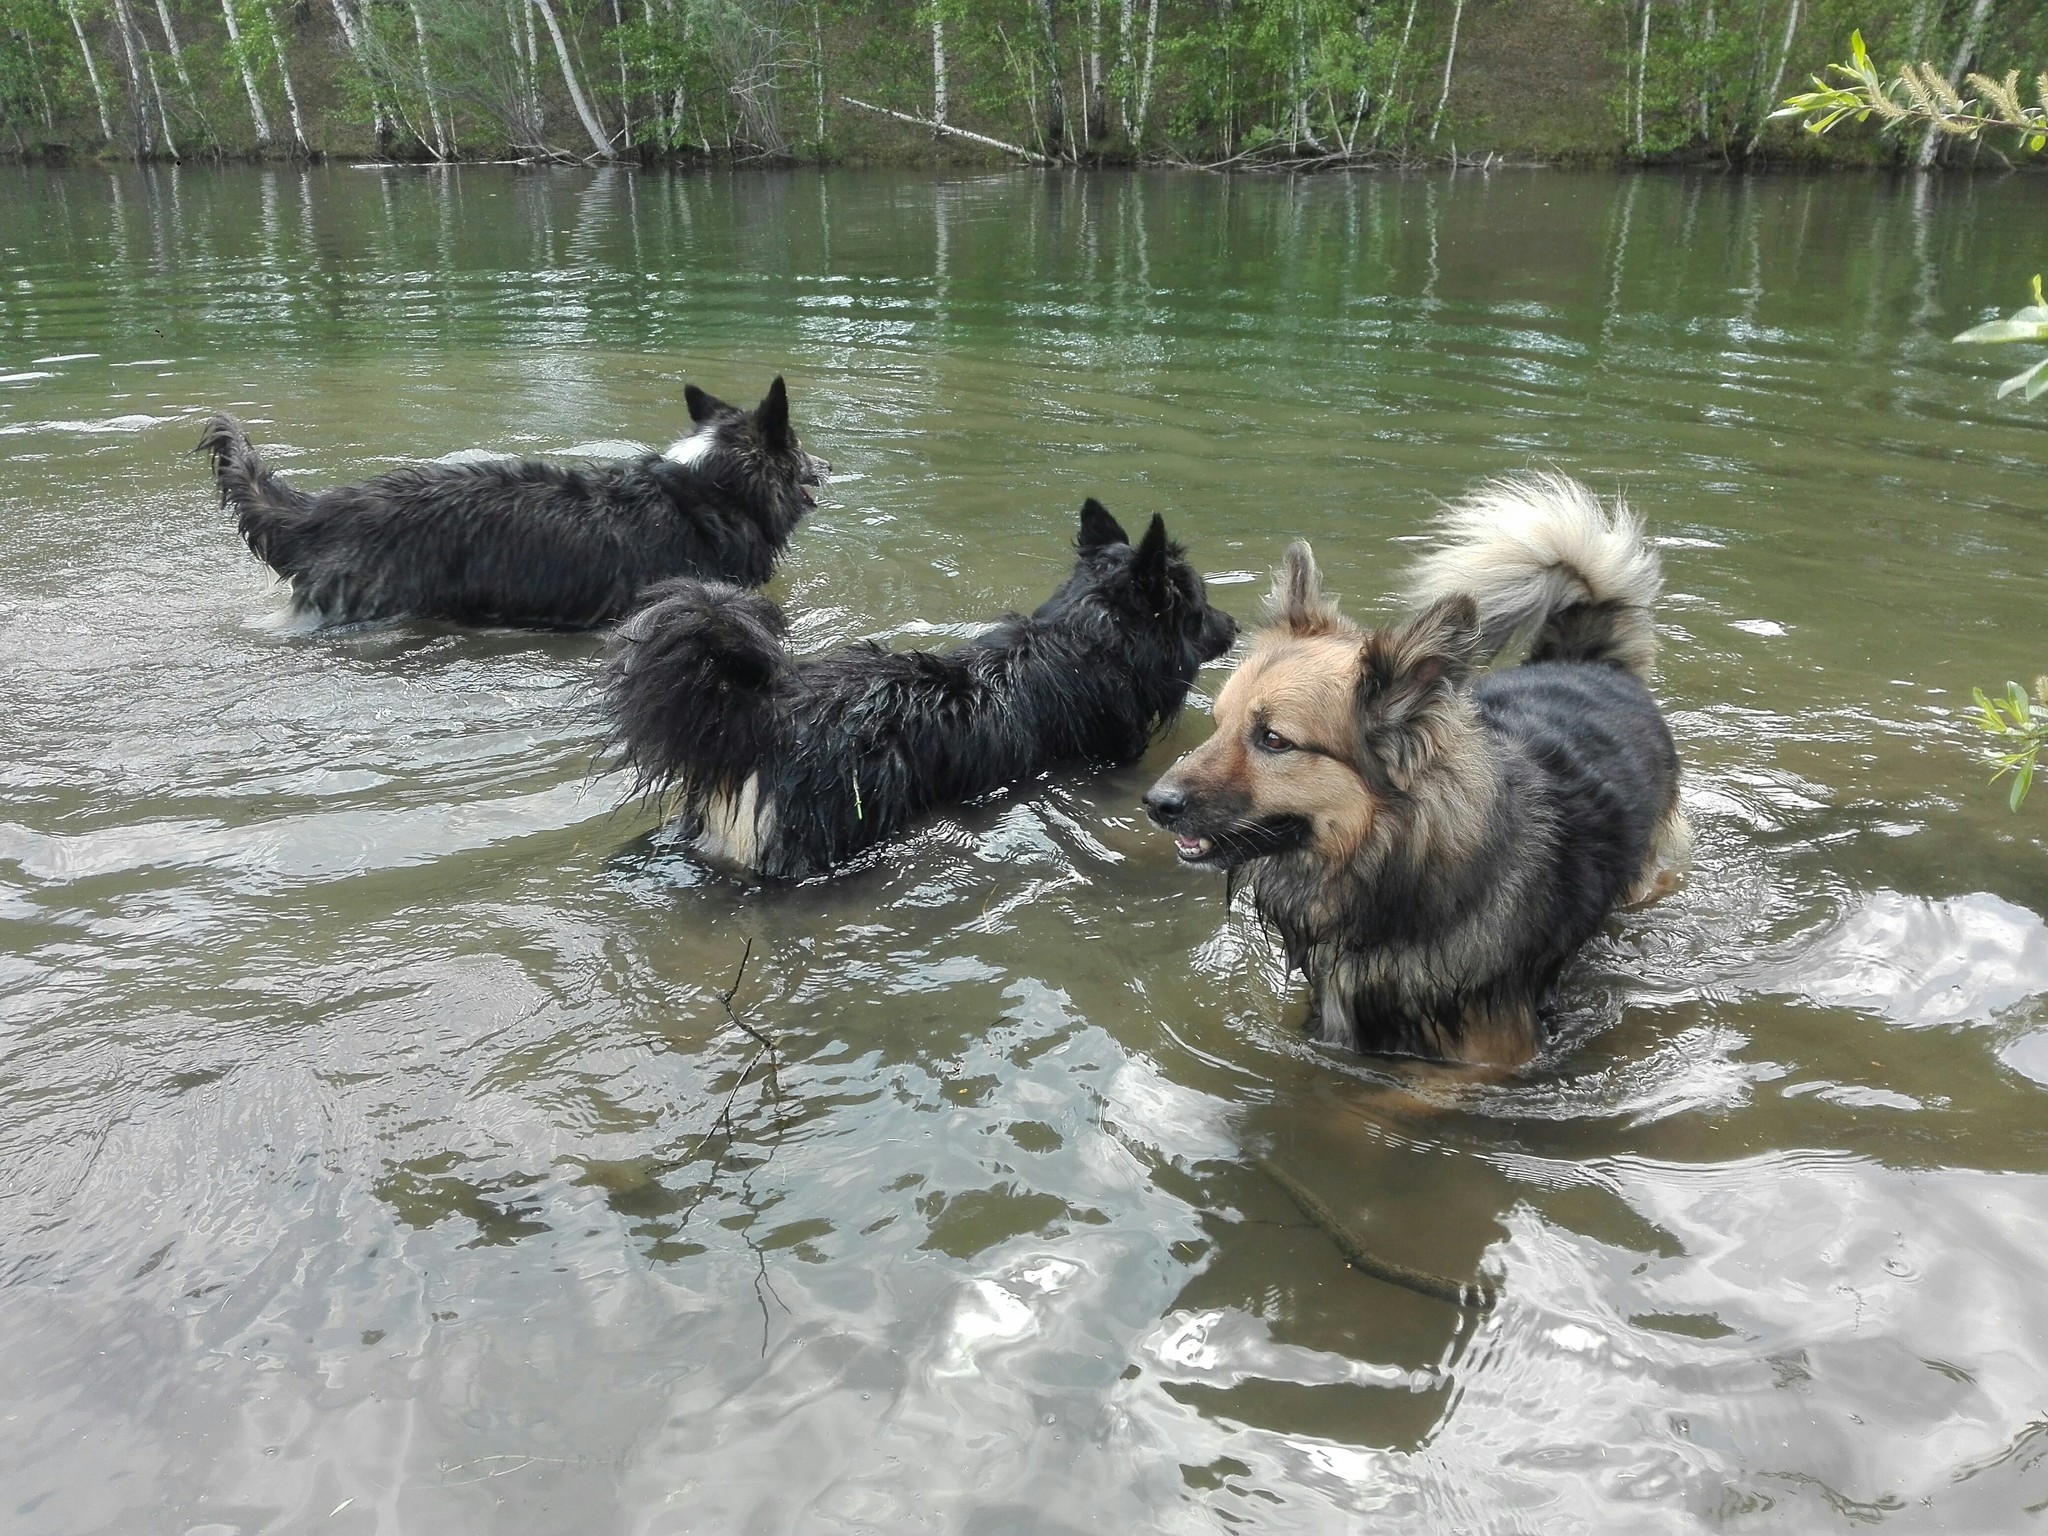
(1246, 82)
(1920, 95)
(2021, 723)
(2028, 324)
(42, 84)
(1295, 78)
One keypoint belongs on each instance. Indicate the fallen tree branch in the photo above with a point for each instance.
(947, 130)
(1477, 1296)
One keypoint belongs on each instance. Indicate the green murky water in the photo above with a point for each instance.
(375, 1153)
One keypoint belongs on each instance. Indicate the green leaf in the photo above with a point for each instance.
(2021, 783)
(2025, 379)
(2037, 379)
(2006, 330)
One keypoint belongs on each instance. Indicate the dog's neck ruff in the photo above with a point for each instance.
(691, 449)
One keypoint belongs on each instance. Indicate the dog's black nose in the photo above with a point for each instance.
(1163, 802)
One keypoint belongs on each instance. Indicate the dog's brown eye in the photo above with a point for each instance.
(1273, 741)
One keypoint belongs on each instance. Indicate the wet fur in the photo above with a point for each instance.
(1431, 844)
(524, 543)
(789, 766)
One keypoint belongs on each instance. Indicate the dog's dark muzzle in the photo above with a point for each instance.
(1170, 806)
(1214, 829)
(1219, 633)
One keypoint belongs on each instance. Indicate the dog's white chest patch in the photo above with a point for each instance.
(688, 450)
(735, 826)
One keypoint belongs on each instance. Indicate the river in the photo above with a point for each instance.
(376, 1151)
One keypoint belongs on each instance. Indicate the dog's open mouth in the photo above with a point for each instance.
(1193, 850)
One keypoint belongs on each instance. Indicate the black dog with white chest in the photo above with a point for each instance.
(522, 543)
(788, 766)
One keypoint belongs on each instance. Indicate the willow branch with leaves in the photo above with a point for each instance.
(1920, 95)
(2022, 724)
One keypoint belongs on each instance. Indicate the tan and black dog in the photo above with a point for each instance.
(1432, 843)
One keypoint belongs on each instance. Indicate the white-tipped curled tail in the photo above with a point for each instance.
(1543, 556)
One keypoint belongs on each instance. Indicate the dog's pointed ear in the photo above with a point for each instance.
(1098, 528)
(772, 415)
(1296, 603)
(702, 403)
(1154, 551)
(1407, 674)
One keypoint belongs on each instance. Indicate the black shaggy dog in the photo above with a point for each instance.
(1433, 845)
(523, 543)
(789, 766)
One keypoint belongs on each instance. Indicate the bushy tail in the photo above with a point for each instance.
(1542, 556)
(688, 687)
(264, 504)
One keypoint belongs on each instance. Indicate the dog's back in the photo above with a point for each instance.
(524, 543)
(791, 766)
(518, 542)
(1548, 565)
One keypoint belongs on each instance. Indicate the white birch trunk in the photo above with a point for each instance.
(1394, 74)
(163, 16)
(1056, 124)
(938, 67)
(1777, 76)
(533, 105)
(1973, 34)
(291, 96)
(1096, 112)
(1145, 77)
(1124, 65)
(818, 71)
(1450, 61)
(42, 87)
(256, 113)
(138, 98)
(591, 125)
(92, 70)
(951, 132)
(353, 36)
(1706, 115)
(1916, 39)
(419, 40)
(156, 89)
(625, 91)
(1642, 75)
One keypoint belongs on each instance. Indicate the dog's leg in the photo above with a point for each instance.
(737, 826)
(1670, 852)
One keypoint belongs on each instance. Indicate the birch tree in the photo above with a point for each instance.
(1450, 62)
(257, 116)
(1055, 88)
(291, 95)
(1973, 38)
(352, 33)
(600, 141)
(92, 70)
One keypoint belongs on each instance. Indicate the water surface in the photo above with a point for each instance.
(376, 1153)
